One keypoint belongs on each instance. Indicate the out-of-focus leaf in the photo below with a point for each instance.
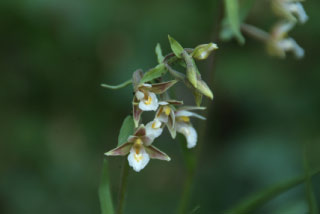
(244, 9)
(232, 13)
(313, 208)
(159, 53)
(257, 200)
(104, 190)
(126, 130)
(154, 73)
(175, 47)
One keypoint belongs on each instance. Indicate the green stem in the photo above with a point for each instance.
(190, 163)
(123, 186)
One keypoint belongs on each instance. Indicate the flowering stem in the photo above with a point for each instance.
(190, 163)
(123, 186)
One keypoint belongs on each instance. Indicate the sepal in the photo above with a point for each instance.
(155, 153)
(122, 150)
(159, 88)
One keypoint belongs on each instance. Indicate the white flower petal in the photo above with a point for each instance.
(153, 129)
(139, 95)
(163, 103)
(138, 161)
(163, 118)
(189, 132)
(281, 29)
(147, 85)
(298, 10)
(151, 104)
(188, 114)
(291, 45)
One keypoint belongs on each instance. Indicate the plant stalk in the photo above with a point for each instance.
(123, 186)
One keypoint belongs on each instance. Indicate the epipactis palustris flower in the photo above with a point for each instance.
(164, 116)
(184, 126)
(292, 10)
(145, 98)
(140, 150)
(279, 43)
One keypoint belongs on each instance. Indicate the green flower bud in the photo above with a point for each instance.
(204, 89)
(202, 52)
(192, 70)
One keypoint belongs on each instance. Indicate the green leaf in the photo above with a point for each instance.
(175, 47)
(154, 73)
(313, 208)
(104, 191)
(159, 53)
(257, 200)
(122, 85)
(126, 130)
(232, 14)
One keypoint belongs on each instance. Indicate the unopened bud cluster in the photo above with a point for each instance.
(150, 94)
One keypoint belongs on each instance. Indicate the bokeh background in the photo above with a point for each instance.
(56, 121)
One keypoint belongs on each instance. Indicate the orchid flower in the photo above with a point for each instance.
(145, 98)
(164, 116)
(184, 126)
(292, 10)
(279, 43)
(140, 150)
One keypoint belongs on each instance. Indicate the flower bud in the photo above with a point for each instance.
(204, 89)
(192, 70)
(202, 52)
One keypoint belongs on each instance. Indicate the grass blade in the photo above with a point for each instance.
(104, 191)
(257, 200)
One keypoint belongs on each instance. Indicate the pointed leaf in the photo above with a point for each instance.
(159, 88)
(156, 153)
(126, 130)
(104, 190)
(154, 73)
(175, 47)
(159, 53)
(232, 13)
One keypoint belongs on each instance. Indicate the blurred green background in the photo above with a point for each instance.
(56, 121)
